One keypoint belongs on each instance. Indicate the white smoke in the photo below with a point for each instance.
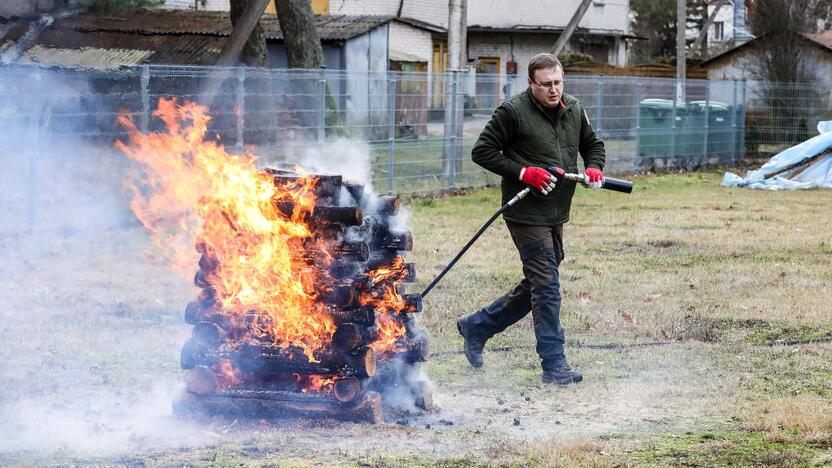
(349, 158)
(99, 423)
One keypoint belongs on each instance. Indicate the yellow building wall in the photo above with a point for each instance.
(319, 7)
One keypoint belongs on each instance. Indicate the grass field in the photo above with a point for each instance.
(699, 315)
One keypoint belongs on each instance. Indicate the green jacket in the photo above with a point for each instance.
(523, 133)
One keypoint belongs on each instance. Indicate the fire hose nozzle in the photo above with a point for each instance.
(617, 185)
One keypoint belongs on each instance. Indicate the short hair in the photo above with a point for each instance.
(543, 61)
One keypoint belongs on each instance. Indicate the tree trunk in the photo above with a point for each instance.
(570, 28)
(254, 52)
(300, 34)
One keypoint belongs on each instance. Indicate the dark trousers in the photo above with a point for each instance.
(541, 251)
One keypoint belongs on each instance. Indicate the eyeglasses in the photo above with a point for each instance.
(549, 84)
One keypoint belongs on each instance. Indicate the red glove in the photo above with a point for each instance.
(538, 178)
(595, 178)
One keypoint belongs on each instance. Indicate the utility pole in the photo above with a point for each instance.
(570, 28)
(454, 107)
(455, 33)
(681, 23)
(704, 32)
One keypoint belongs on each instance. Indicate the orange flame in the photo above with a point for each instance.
(227, 375)
(387, 303)
(230, 206)
(315, 383)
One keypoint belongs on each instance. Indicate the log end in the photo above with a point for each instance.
(347, 389)
(364, 362)
(347, 336)
(200, 380)
(207, 334)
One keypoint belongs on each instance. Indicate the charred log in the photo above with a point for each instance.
(361, 315)
(416, 350)
(347, 389)
(201, 380)
(326, 186)
(412, 303)
(207, 299)
(389, 205)
(397, 241)
(271, 404)
(382, 258)
(207, 334)
(208, 262)
(272, 360)
(202, 279)
(356, 191)
(342, 296)
(349, 336)
(341, 269)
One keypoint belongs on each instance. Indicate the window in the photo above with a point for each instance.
(719, 34)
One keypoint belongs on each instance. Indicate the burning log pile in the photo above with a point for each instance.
(353, 275)
(302, 308)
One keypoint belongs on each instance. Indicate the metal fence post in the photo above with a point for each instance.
(322, 121)
(734, 123)
(453, 138)
(600, 101)
(391, 130)
(32, 204)
(241, 106)
(637, 156)
(145, 93)
(744, 104)
(706, 158)
(672, 160)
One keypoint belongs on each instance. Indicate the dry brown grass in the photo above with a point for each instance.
(680, 260)
(804, 417)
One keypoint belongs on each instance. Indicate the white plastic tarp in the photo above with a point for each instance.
(818, 174)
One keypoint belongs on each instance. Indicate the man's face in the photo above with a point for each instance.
(547, 86)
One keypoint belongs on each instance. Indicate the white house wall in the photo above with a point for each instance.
(431, 11)
(612, 15)
(365, 59)
(411, 41)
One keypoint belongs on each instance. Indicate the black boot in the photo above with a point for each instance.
(561, 374)
(472, 345)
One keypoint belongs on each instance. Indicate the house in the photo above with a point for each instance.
(737, 63)
(730, 26)
(501, 36)
(777, 111)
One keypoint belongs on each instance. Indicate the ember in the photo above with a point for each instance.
(302, 309)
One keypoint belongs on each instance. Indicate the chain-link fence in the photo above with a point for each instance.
(413, 132)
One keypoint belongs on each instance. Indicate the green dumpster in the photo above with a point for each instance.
(655, 136)
(720, 130)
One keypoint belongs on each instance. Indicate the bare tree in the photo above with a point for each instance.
(780, 60)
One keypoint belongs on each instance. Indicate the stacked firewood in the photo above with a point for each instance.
(361, 276)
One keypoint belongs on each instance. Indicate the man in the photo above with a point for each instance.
(531, 140)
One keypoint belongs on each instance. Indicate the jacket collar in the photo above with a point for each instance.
(566, 101)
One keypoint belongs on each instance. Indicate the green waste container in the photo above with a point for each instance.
(720, 129)
(655, 136)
